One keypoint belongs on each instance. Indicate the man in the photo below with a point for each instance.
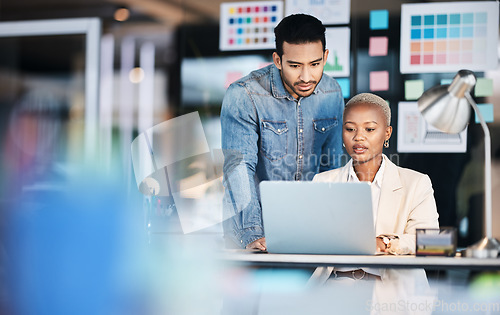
(281, 122)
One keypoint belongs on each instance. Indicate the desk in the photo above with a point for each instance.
(376, 261)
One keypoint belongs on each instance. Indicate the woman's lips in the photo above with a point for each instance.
(359, 149)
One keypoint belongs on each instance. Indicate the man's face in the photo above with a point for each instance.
(301, 67)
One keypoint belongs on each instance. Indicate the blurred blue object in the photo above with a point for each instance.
(64, 247)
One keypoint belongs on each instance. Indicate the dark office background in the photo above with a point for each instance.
(189, 29)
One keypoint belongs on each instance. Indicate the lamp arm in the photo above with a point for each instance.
(487, 167)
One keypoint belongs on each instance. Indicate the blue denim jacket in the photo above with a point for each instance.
(269, 135)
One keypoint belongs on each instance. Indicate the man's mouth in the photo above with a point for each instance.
(305, 86)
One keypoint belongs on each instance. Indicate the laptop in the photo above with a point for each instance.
(318, 218)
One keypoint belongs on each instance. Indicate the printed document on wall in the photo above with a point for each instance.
(447, 37)
(249, 25)
(338, 41)
(327, 11)
(416, 135)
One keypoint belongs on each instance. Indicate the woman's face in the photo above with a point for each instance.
(365, 130)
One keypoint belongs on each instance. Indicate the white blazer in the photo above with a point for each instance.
(406, 201)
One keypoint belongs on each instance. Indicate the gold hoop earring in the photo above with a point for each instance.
(386, 143)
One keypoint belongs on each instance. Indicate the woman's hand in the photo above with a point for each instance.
(381, 246)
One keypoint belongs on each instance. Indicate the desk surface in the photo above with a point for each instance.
(378, 261)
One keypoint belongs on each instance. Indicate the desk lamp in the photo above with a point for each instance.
(447, 107)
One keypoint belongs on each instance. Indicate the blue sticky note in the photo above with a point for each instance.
(446, 81)
(379, 19)
(487, 111)
(345, 85)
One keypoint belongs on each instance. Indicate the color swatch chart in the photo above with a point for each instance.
(249, 25)
(437, 37)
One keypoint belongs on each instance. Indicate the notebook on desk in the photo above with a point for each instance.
(318, 218)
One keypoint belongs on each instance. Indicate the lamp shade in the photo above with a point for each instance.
(446, 106)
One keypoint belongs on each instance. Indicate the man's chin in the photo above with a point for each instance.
(304, 93)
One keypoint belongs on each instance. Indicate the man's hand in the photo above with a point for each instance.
(258, 244)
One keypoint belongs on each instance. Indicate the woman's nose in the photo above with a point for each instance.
(359, 136)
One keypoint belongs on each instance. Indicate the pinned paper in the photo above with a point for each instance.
(445, 37)
(484, 87)
(379, 81)
(379, 19)
(378, 46)
(487, 112)
(345, 85)
(413, 89)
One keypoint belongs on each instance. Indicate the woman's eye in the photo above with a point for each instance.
(370, 129)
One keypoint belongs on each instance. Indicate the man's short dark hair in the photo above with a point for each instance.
(299, 29)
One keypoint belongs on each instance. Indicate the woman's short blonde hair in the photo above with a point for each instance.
(371, 99)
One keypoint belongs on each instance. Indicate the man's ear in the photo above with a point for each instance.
(325, 56)
(277, 60)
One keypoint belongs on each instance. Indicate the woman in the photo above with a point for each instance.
(403, 199)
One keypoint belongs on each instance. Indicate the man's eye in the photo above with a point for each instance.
(294, 66)
(349, 129)
(315, 64)
(370, 129)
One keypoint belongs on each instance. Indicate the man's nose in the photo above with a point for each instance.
(305, 74)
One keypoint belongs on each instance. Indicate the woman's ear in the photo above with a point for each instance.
(388, 132)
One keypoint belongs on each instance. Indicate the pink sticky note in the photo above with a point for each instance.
(378, 46)
(379, 81)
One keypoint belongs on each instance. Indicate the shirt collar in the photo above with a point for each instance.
(352, 177)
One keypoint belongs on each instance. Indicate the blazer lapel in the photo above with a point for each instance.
(390, 199)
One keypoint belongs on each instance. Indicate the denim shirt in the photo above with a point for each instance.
(269, 135)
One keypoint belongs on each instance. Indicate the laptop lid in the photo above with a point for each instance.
(318, 218)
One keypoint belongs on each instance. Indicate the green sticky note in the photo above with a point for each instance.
(413, 89)
(486, 111)
(484, 87)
